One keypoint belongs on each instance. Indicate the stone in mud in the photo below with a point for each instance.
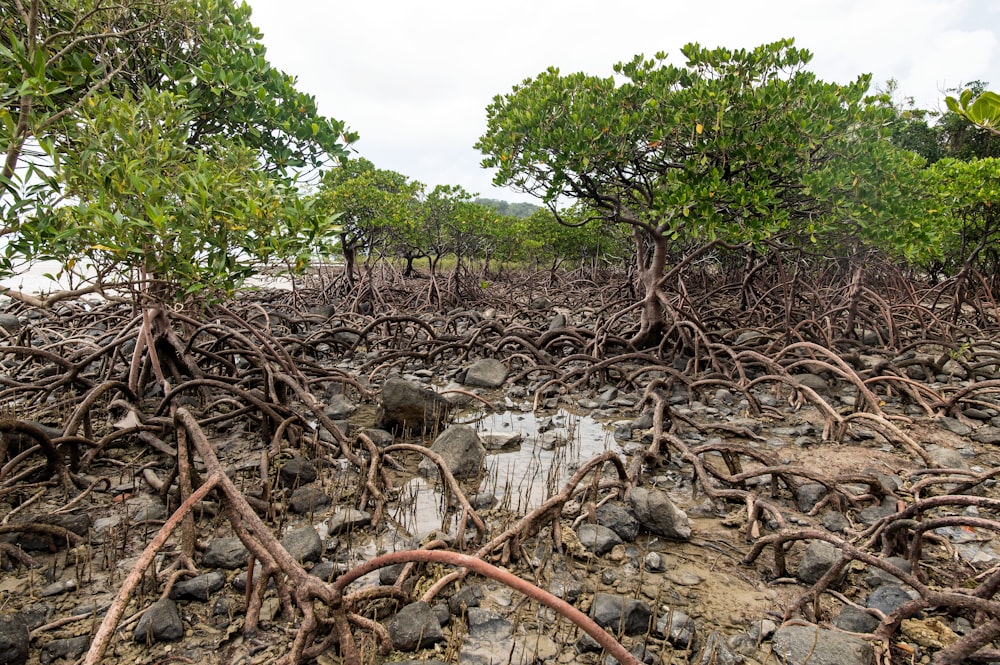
(814, 381)
(226, 553)
(303, 544)
(597, 538)
(854, 620)
(467, 596)
(13, 639)
(296, 472)
(348, 519)
(160, 623)
(200, 587)
(10, 323)
(807, 495)
(308, 499)
(619, 518)
(657, 513)
(888, 598)
(488, 625)
(818, 558)
(677, 628)
(486, 373)
(622, 615)
(462, 451)
(340, 408)
(796, 644)
(410, 407)
(69, 648)
(414, 627)
(717, 651)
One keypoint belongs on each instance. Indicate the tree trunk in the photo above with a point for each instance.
(652, 322)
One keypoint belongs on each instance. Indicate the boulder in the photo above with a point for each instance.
(13, 639)
(462, 451)
(410, 407)
(796, 645)
(415, 627)
(658, 514)
(160, 623)
(621, 614)
(486, 373)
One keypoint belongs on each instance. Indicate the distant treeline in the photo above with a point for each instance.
(518, 210)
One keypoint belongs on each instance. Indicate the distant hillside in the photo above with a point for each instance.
(519, 210)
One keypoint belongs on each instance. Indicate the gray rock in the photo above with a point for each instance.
(462, 451)
(340, 408)
(657, 513)
(989, 435)
(486, 373)
(818, 558)
(717, 651)
(622, 615)
(619, 518)
(348, 519)
(296, 472)
(808, 495)
(379, 437)
(558, 321)
(304, 544)
(410, 407)
(836, 522)
(654, 562)
(414, 627)
(877, 577)
(13, 639)
(597, 538)
(487, 625)
(872, 514)
(198, 588)
(948, 458)
(566, 587)
(328, 571)
(305, 500)
(69, 648)
(160, 623)
(955, 426)
(796, 645)
(887, 598)
(854, 620)
(677, 628)
(467, 596)
(226, 553)
(814, 381)
(10, 323)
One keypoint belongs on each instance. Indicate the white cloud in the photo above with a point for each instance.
(415, 78)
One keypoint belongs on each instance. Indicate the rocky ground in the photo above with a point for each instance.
(668, 564)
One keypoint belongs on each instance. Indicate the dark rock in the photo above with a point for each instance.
(410, 407)
(654, 562)
(226, 553)
(989, 435)
(836, 522)
(818, 558)
(69, 648)
(296, 472)
(462, 451)
(657, 513)
(677, 628)
(621, 614)
(487, 625)
(598, 539)
(13, 639)
(877, 577)
(328, 571)
(10, 323)
(306, 500)
(619, 518)
(887, 598)
(854, 620)
(717, 651)
(540, 303)
(486, 373)
(566, 587)
(467, 596)
(37, 614)
(387, 575)
(808, 495)
(795, 644)
(414, 627)
(348, 519)
(814, 381)
(304, 544)
(198, 588)
(160, 623)
(379, 437)
(872, 514)
(340, 408)
(955, 426)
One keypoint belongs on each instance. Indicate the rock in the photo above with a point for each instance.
(198, 588)
(486, 373)
(13, 639)
(296, 472)
(877, 577)
(226, 553)
(818, 558)
(160, 623)
(677, 628)
(462, 451)
(340, 408)
(930, 633)
(410, 407)
(597, 538)
(379, 437)
(566, 587)
(414, 627)
(657, 513)
(303, 544)
(306, 500)
(955, 426)
(540, 303)
(467, 596)
(622, 615)
(872, 514)
(348, 519)
(619, 518)
(887, 598)
(10, 323)
(717, 651)
(854, 620)
(948, 458)
(814, 381)
(988, 434)
(836, 522)
(654, 562)
(487, 625)
(808, 495)
(501, 440)
(69, 648)
(795, 645)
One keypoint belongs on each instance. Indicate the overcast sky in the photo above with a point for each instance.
(414, 78)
